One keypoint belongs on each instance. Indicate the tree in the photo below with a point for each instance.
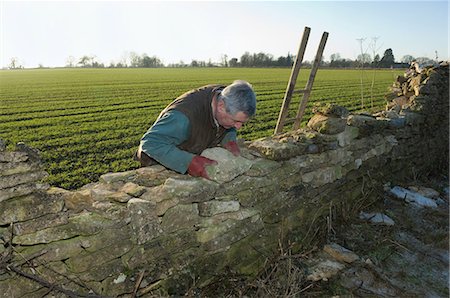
(246, 60)
(364, 59)
(407, 59)
(376, 60)
(86, 61)
(14, 64)
(135, 60)
(233, 62)
(388, 59)
(335, 57)
(224, 60)
(70, 61)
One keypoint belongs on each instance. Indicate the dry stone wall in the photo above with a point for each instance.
(151, 231)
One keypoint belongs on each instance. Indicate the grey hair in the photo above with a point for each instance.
(239, 97)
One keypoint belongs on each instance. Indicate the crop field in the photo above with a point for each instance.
(87, 122)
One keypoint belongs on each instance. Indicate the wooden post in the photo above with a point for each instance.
(312, 75)
(291, 85)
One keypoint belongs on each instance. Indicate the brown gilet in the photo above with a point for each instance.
(196, 105)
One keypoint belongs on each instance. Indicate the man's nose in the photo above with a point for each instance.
(238, 125)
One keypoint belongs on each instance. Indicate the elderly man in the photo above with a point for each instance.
(202, 118)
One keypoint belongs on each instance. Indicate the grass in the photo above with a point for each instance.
(87, 122)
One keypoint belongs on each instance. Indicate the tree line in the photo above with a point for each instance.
(134, 60)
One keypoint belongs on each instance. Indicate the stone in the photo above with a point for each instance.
(39, 223)
(331, 110)
(8, 156)
(114, 267)
(262, 167)
(181, 217)
(115, 249)
(211, 208)
(85, 223)
(153, 176)
(145, 224)
(377, 218)
(243, 213)
(327, 125)
(133, 189)
(324, 270)
(163, 206)
(340, 254)
(274, 150)
(16, 210)
(322, 176)
(425, 191)
(367, 124)
(79, 200)
(208, 233)
(346, 137)
(22, 190)
(184, 188)
(7, 169)
(238, 232)
(118, 177)
(22, 178)
(228, 166)
(412, 197)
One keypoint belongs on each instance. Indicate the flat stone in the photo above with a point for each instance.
(21, 190)
(81, 224)
(275, 150)
(324, 270)
(21, 178)
(42, 222)
(211, 208)
(19, 209)
(412, 197)
(346, 137)
(228, 167)
(145, 224)
(327, 125)
(181, 217)
(238, 232)
(79, 200)
(185, 189)
(425, 191)
(340, 253)
(262, 167)
(377, 218)
(8, 156)
(118, 177)
(214, 231)
(322, 176)
(133, 189)
(114, 250)
(7, 169)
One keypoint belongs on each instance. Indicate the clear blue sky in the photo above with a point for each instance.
(47, 33)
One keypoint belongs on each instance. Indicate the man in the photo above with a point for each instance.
(202, 118)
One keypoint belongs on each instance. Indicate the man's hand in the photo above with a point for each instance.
(197, 166)
(233, 147)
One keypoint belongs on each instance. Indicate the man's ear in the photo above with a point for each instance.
(221, 106)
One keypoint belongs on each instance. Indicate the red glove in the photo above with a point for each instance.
(197, 166)
(233, 147)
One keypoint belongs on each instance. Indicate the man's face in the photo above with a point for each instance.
(228, 120)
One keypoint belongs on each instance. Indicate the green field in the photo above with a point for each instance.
(87, 122)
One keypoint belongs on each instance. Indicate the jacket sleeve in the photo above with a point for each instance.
(161, 140)
(230, 135)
